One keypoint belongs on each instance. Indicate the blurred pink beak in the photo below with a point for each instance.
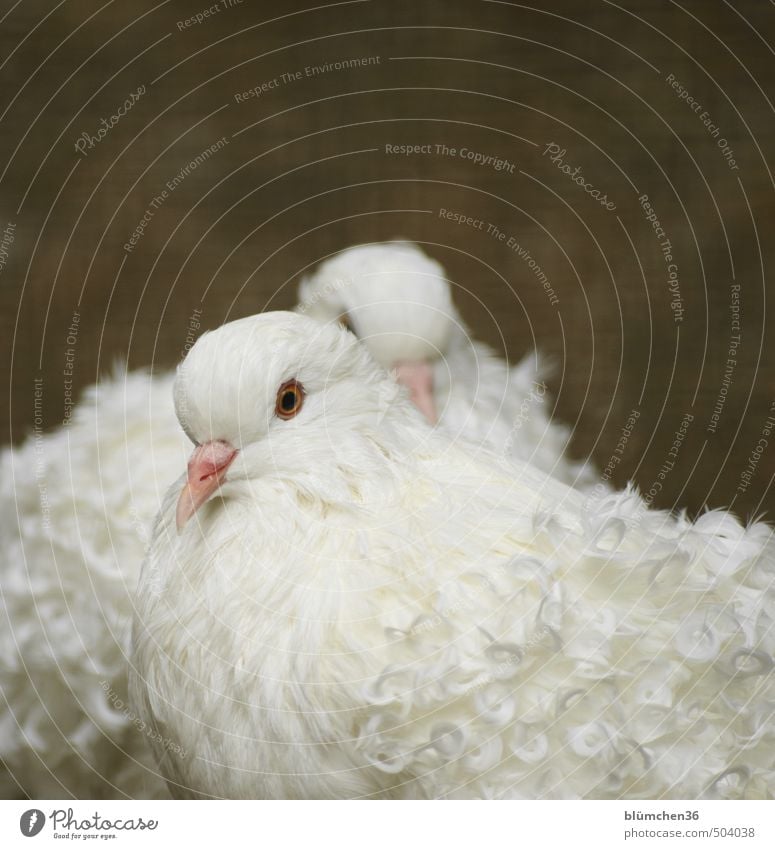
(206, 471)
(418, 379)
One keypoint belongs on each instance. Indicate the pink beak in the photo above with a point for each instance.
(418, 379)
(206, 471)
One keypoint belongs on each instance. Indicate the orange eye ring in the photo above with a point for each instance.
(290, 399)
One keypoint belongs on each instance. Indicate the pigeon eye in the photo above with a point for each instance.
(290, 398)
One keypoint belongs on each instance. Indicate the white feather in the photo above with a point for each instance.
(78, 507)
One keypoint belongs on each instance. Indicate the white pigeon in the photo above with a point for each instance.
(398, 301)
(340, 601)
(77, 506)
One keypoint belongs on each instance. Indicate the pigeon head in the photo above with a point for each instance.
(397, 300)
(267, 385)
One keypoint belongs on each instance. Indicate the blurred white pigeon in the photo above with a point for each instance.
(398, 301)
(340, 601)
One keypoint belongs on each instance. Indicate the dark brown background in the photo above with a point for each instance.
(305, 174)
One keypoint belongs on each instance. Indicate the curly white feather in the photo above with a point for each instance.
(78, 508)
